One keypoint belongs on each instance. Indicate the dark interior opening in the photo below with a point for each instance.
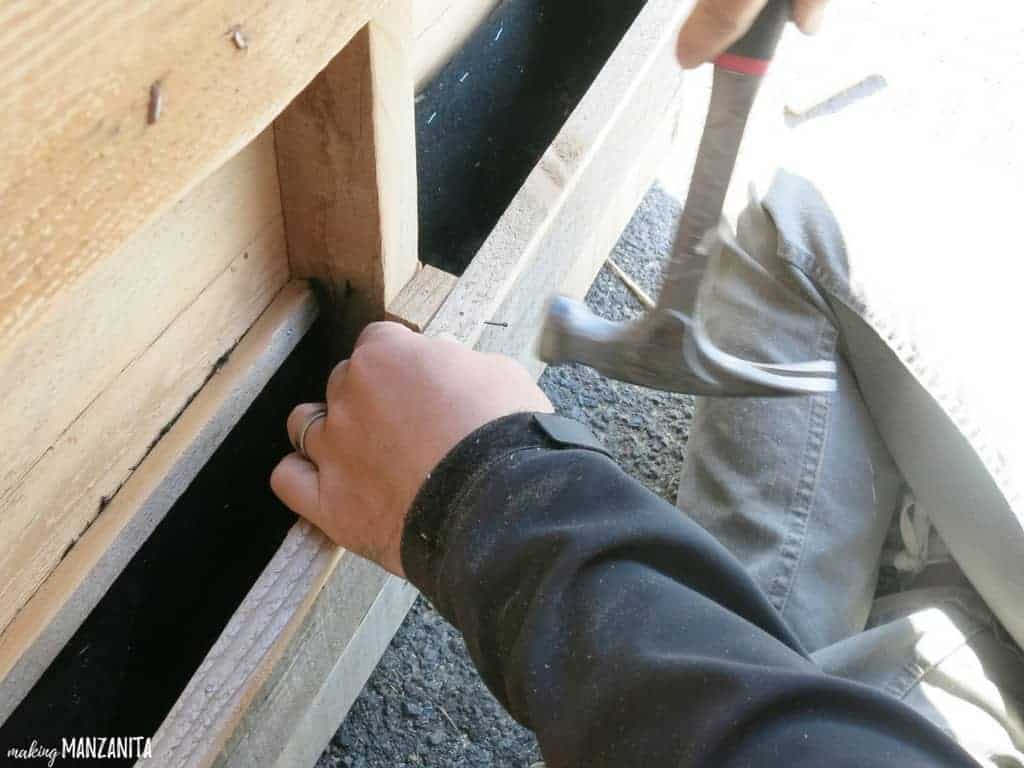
(124, 668)
(481, 127)
(486, 119)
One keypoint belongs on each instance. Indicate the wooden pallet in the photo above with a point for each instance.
(170, 177)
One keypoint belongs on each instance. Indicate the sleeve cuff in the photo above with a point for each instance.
(438, 501)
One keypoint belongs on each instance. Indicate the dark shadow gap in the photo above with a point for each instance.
(486, 119)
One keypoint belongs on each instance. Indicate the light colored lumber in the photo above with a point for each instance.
(419, 301)
(442, 27)
(573, 205)
(247, 651)
(49, 619)
(346, 153)
(124, 353)
(263, 692)
(315, 609)
(342, 684)
(81, 168)
(94, 326)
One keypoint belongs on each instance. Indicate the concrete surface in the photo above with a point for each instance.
(425, 704)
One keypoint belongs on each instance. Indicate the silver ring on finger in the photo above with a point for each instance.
(301, 442)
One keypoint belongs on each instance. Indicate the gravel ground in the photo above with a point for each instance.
(425, 705)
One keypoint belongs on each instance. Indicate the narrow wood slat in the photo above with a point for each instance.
(416, 305)
(120, 353)
(49, 619)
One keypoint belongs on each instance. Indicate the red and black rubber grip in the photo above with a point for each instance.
(752, 53)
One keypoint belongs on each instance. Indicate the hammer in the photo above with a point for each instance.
(668, 348)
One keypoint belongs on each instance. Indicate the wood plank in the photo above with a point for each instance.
(344, 682)
(243, 695)
(96, 326)
(269, 695)
(42, 628)
(81, 167)
(346, 153)
(139, 354)
(419, 301)
(579, 196)
(70, 486)
(442, 27)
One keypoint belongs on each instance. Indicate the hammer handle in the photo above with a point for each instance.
(752, 53)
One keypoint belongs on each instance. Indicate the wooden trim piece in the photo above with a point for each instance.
(121, 354)
(72, 484)
(344, 682)
(419, 301)
(53, 614)
(558, 214)
(258, 694)
(305, 611)
(83, 164)
(245, 655)
(442, 27)
(346, 154)
(96, 326)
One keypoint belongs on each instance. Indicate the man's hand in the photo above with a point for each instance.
(714, 25)
(394, 410)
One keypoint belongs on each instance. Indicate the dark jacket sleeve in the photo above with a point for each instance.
(619, 630)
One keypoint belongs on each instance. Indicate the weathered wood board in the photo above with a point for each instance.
(346, 152)
(279, 681)
(40, 630)
(83, 163)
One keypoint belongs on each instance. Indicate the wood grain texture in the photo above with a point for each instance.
(417, 303)
(558, 215)
(81, 169)
(341, 685)
(97, 326)
(71, 484)
(123, 351)
(40, 630)
(441, 28)
(315, 609)
(346, 153)
(245, 653)
(257, 693)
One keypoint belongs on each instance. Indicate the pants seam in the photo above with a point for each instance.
(803, 504)
(913, 672)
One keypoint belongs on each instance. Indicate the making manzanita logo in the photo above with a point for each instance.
(87, 748)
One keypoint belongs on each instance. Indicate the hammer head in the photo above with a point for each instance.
(669, 350)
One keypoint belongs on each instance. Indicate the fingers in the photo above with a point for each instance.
(334, 382)
(713, 26)
(297, 483)
(304, 418)
(808, 15)
(380, 331)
